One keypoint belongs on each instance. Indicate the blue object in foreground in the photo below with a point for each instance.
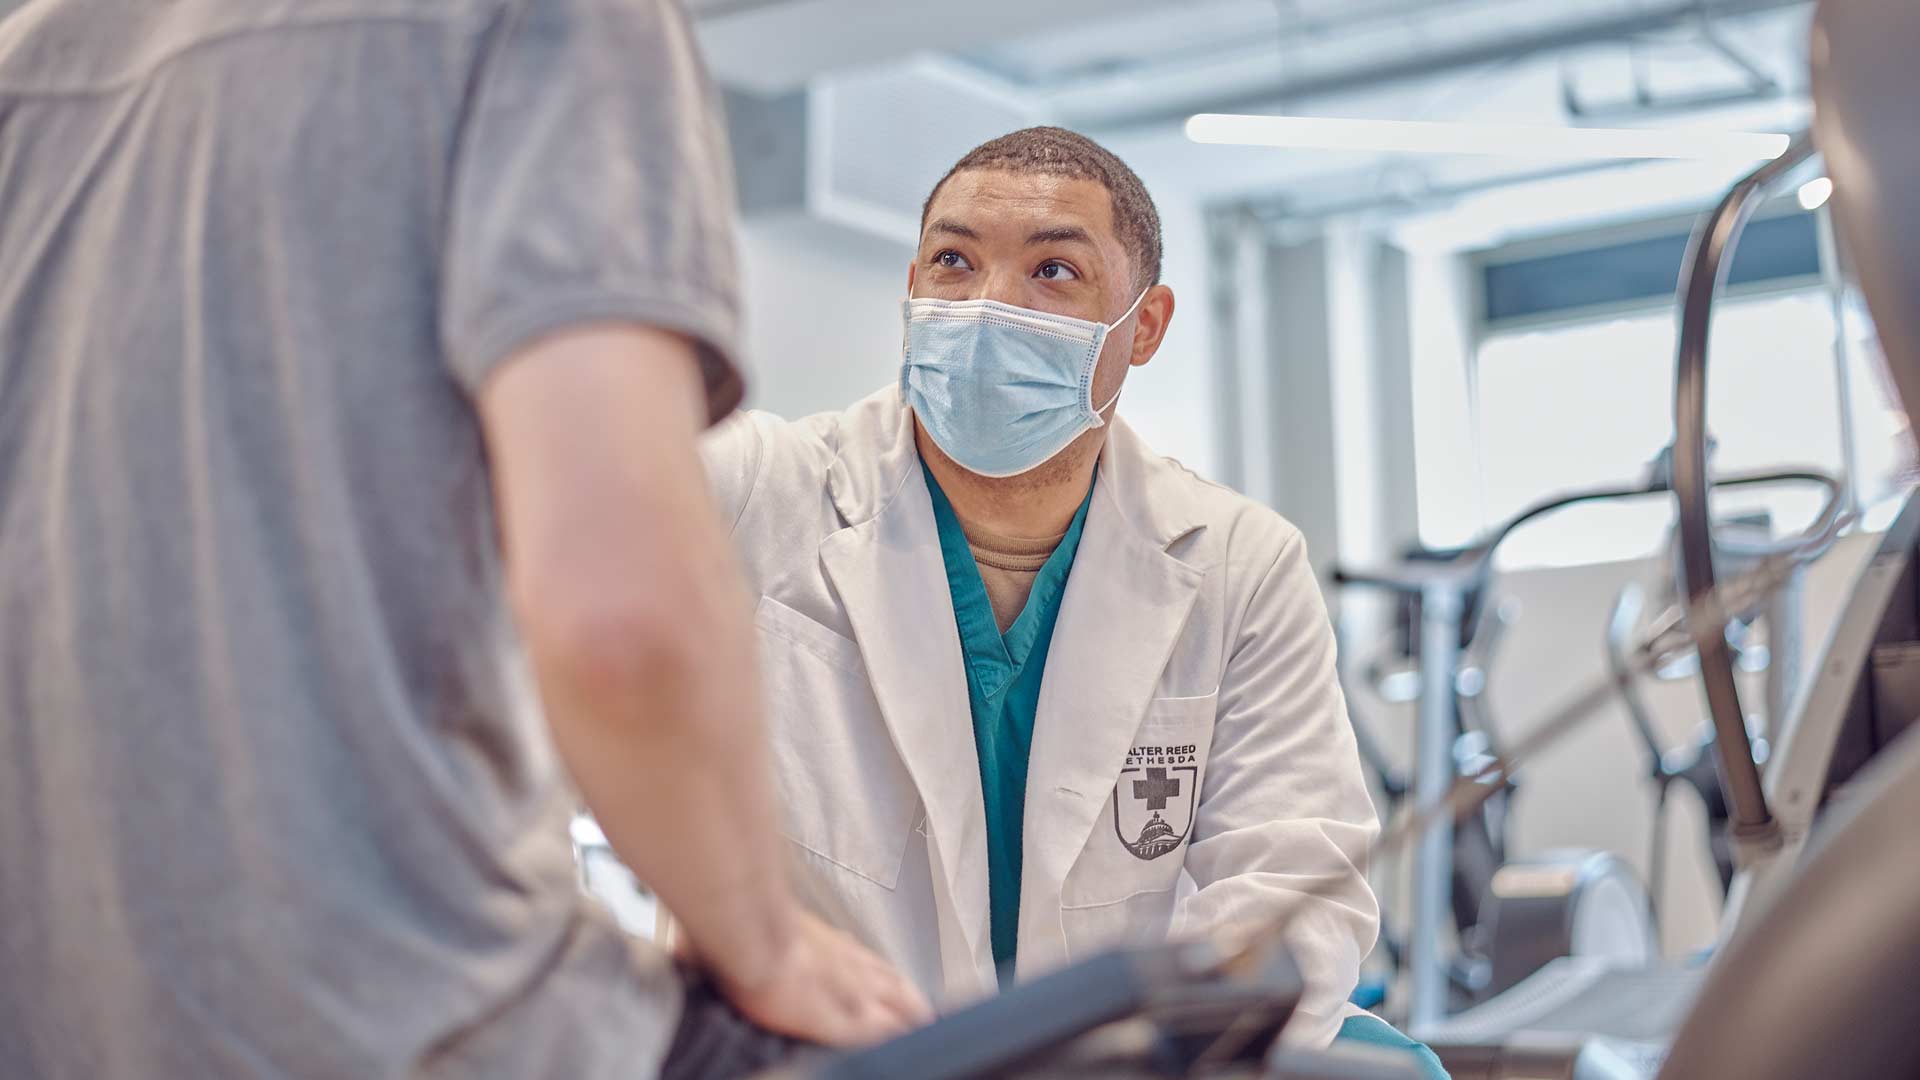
(1374, 1031)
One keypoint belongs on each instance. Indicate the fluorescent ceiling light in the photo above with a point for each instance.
(1504, 140)
(1815, 192)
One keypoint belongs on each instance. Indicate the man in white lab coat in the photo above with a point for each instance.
(1035, 689)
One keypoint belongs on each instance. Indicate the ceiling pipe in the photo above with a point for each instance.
(1418, 66)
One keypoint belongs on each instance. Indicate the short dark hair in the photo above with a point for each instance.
(1052, 151)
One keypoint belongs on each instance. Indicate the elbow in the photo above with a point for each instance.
(607, 639)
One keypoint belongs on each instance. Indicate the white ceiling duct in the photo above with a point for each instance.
(776, 46)
(863, 149)
(1264, 73)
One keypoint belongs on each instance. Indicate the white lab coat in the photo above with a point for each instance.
(1192, 641)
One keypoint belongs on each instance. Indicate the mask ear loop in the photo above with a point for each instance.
(906, 322)
(1098, 420)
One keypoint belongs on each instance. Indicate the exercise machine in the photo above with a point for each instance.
(1512, 917)
(1575, 1020)
(1478, 844)
(1449, 628)
(1739, 546)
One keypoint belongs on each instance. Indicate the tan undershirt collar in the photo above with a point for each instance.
(1008, 565)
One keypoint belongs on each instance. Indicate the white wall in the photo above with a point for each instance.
(1439, 306)
(1171, 401)
(822, 313)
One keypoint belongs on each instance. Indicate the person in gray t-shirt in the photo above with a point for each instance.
(352, 354)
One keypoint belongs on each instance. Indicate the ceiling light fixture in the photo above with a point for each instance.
(1502, 140)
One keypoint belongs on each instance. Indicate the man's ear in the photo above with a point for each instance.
(1150, 324)
(913, 268)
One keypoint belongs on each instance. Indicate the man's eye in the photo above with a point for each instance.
(1056, 271)
(952, 260)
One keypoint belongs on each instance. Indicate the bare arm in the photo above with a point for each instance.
(623, 584)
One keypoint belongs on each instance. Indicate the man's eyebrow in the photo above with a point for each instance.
(951, 228)
(1060, 234)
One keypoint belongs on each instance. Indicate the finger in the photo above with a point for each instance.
(882, 971)
(840, 1032)
(851, 1008)
(862, 1013)
(858, 970)
(898, 1017)
(872, 970)
(878, 1023)
(894, 991)
(828, 1025)
(909, 1003)
(901, 997)
(865, 1026)
(902, 1000)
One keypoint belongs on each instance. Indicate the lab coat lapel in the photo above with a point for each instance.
(892, 583)
(1126, 603)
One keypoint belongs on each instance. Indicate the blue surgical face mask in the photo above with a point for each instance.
(1001, 389)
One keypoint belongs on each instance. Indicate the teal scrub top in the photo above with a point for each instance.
(1003, 691)
(1374, 1031)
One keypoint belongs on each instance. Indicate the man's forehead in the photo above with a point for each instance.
(987, 201)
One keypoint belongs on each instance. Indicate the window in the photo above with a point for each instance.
(1772, 249)
(1547, 366)
(1590, 403)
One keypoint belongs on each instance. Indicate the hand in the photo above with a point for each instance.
(828, 989)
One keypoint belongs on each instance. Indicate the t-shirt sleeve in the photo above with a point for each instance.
(591, 183)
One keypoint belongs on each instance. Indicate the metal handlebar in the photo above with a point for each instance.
(1703, 272)
(1415, 577)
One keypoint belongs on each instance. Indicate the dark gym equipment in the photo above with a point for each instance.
(1497, 952)
(1455, 586)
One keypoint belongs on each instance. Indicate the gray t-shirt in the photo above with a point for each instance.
(275, 798)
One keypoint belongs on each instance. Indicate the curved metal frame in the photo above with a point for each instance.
(1702, 274)
(1440, 587)
(1472, 562)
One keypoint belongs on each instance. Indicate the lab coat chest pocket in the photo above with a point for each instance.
(845, 796)
(1121, 886)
